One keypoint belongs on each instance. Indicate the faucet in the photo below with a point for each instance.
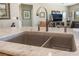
(37, 14)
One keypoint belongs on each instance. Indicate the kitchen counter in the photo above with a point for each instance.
(5, 32)
(17, 49)
(14, 30)
(27, 50)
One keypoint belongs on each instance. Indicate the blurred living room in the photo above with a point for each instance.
(39, 29)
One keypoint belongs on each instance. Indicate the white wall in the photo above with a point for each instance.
(14, 12)
(73, 9)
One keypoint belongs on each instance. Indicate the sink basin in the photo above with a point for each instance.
(58, 41)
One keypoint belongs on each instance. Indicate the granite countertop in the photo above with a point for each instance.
(28, 50)
(17, 49)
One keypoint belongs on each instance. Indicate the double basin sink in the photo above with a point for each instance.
(58, 41)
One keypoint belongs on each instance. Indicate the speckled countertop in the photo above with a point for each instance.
(17, 49)
(27, 50)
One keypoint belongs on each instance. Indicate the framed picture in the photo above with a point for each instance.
(42, 14)
(27, 14)
(4, 11)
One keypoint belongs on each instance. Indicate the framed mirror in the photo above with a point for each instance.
(27, 14)
(4, 11)
(42, 14)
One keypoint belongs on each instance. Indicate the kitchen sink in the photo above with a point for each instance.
(58, 41)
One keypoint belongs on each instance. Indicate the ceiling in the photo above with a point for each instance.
(56, 4)
(62, 4)
(67, 4)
